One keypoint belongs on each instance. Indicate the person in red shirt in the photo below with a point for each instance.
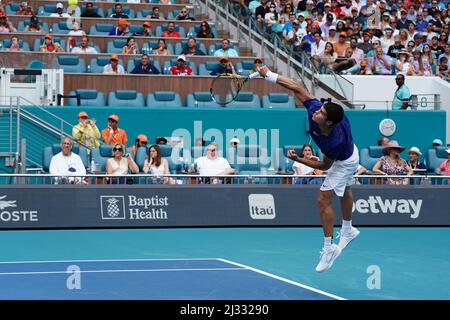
(170, 32)
(112, 134)
(335, 8)
(181, 69)
(444, 168)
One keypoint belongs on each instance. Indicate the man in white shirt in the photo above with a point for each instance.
(212, 164)
(317, 49)
(84, 46)
(226, 51)
(59, 11)
(66, 163)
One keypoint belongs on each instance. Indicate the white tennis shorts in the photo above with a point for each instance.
(340, 174)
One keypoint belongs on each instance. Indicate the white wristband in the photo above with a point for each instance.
(271, 77)
(253, 75)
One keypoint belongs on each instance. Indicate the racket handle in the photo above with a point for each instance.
(253, 75)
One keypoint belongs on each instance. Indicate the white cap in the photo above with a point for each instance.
(182, 57)
(59, 5)
(235, 140)
(448, 150)
(415, 150)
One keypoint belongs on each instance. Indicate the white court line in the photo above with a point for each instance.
(106, 260)
(118, 271)
(283, 279)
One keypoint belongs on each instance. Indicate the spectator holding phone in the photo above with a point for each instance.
(113, 134)
(121, 163)
(86, 132)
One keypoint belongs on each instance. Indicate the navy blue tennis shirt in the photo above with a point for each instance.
(338, 145)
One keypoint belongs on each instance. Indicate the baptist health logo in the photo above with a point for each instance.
(113, 207)
(262, 206)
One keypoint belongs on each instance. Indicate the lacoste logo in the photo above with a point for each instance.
(7, 204)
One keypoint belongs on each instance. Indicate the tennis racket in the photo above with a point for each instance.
(226, 87)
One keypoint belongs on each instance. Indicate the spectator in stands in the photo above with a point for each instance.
(5, 25)
(411, 32)
(170, 32)
(156, 15)
(416, 62)
(83, 47)
(144, 67)
(388, 39)
(344, 63)
(414, 159)
(184, 15)
(15, 46)
(67, 163)
(443, 37)
(199, 142)
(442, 69)
(161, 140)
(165, 1)
(86, 132)
(90, 11)
(272, 17)
(49, 45)
(329, 56)
(59, 11)
(205, 31)
(427, 60)
(357, 56)
(156, 165)
(383, 141)
(146, 31)
(192, 49)
(395, 48)
(234, 142)
(402, 95)
(181, 69)
(120, 164)
(403, 23)
(392, 164)
(332, 34)
(317, 49)
(225, 67)
(113, 67)
(341, 45)
(140, 141)
(325, 26)
(162, 48)
(289, 24)
(118, 12)
(113, 134)
(76, 31)
(437, 143)
(121, 29)
(25, 10)
(259, 61)
(445, 166)
(212, 165)
(34, 25)
(436, 49)
(130, 47)
(402, 65)
(302, 169)
(446, 52)
(226, 51)
(294, 35)
(380, 63)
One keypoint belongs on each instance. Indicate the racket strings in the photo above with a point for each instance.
(225, 89)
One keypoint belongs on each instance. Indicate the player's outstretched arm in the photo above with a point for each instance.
(300, 91)
(316, 164)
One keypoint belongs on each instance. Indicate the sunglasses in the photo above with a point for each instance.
(183, 11)
(211, 150)
(118, 149)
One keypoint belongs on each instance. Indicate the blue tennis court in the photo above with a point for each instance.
(228, 263)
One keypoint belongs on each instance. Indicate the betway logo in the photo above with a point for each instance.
(378, 205)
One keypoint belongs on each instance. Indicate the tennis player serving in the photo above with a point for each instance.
(330, 130)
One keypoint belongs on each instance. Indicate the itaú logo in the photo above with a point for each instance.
(376, 204)
(9, 215)
(262, 206)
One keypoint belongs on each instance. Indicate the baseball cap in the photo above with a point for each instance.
(24, 3)
(415, 150)
(2, 14)
(354, 9)
(59, 5)
(343, 34)
(309, 18)
(330, 16)
(114, 57)
(235, 140)
(48, 36)
(181, 57)
(161, 140)
(223, 59)
(332, 28)
(437, 141)
(123, 22)
(259, 59)
(142, 138)
(114, 117)
(82, 114)
(389, 29)
(295, 22)
(146, 24)
(327, 5)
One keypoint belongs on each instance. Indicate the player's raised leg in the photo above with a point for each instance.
(348, 232)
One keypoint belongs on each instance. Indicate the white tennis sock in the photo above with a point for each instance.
(327, 242)
(346, 224)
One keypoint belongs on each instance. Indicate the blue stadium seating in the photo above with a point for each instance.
(101, 29)
(22, 24)
(98, 63)
(146, 12)
(96, 9)
(61, 27)
(216, 46)
(72, 64)
(164, 99)
(6, 43)
(154, 45)
(193, 31)
(39, 42)
(250, 159)
(180, 46)
(245, 100)
(161, 28)
(434, 157)
(244, 67)
(116, 45)
(172, 14)
(168, 64)
(12, 8)
(48, 9)
(127, 10)
(278, 101)
(89, 97)
(36, 64)
(133, 62)
(200, 100)
(368, 157)
(49, 152)
(205, 69)
(126, 98)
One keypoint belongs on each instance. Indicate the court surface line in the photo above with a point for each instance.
(106, 260)
(282, 279)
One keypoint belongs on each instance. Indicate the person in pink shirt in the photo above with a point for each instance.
(445, 166)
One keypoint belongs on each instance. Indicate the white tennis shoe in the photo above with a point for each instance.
(327, 257)
(345, 236)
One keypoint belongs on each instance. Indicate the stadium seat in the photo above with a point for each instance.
(72, 64)
(96, 9)
(216, 46)
(193, 31)
(166, 153)
(36, 64)
(6, 43)
(126, 98)
(133, 62)
(161, 28)
(201, 100)
(278, 101)
(244, 67)
(127, 10)
(368, 157)
(168, 64)
(49, 152)
(12, 8)
(180, 46)
(89, 97)
(172, 14)
(22, 24)
(164, 99)
(205, 69)
(39, 42)
(250, 159)
(101, 29)
(98, 63)
(434, 157)
(116, 45)
(245, 100)
(154, 45)
(147, 12)
(61, 27)
(135, 28)
(48, 9)
(196, 152)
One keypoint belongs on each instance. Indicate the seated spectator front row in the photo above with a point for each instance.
(156, 165)
(393, 164)
(212, 165)
(145, 67)
(444, 168)
(120, 164)
(113, 67)
(181, 69)
(302, 169)
(67, 164)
